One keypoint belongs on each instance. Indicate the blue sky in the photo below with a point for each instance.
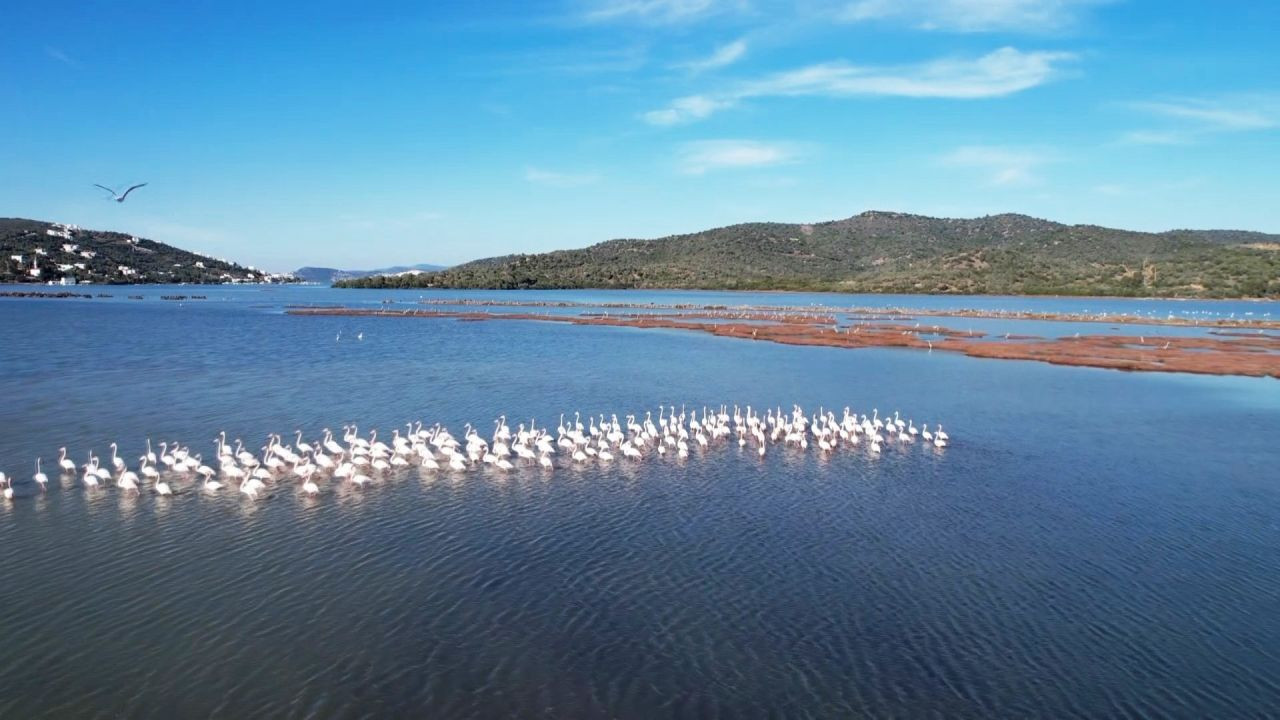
(359, 135)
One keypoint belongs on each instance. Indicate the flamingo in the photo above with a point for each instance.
(200, 467)
(604, 437)
(101, 472)
(40, 477)
(68, 467)
(149, 471)
(168, 458)
(333, 447)
(90, 478)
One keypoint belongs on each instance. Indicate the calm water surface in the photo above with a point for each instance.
(1094, 543)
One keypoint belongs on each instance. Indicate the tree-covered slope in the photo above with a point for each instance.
(896, 252)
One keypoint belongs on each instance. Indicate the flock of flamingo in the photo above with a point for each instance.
(357, 460)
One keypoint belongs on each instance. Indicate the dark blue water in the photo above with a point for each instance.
(1094, 543)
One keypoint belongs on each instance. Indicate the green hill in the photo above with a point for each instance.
(64, 251)
(884, 252)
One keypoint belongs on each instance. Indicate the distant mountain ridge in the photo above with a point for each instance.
(326, 275)
(35, 251)
(890, 252)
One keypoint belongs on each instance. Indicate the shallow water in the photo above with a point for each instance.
(1094, 543)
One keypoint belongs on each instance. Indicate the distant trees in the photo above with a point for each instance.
(896, 253)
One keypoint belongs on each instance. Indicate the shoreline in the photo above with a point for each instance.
(1251, 356)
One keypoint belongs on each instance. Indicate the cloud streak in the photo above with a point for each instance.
(971, 15)
(1212, 115)
(724, 56)
(998, 73)
(1002, 166)
(702, 156)
(60, 56)
(655, 12)
(1192, 119)
(553, 178)
(1155, 137)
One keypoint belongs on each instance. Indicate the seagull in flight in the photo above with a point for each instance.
(119, 197)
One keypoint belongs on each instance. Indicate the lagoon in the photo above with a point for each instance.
(1094, 543)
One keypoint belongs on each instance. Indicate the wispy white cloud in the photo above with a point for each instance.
(60, 56)
(1156, 137)
(1213, 115)
(687, 109)
(724, 56)
(1000, 166)
(696, 158)
(553, 178)
(1191, 119)
(657, 12)
(972, 15)
(998, 73)
(1147, 188)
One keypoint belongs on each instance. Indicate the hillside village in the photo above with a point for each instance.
(33, 251)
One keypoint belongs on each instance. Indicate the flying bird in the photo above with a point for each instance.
(119, 197)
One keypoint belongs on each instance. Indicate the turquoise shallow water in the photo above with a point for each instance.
(1093, 544)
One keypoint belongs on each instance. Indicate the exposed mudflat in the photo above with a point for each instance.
(1250, 355)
